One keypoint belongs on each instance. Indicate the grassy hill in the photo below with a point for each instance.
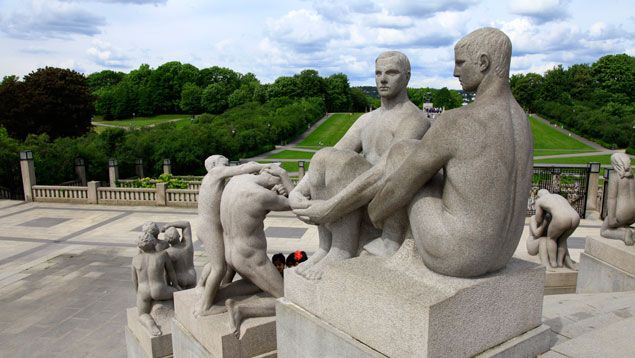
(331, 131)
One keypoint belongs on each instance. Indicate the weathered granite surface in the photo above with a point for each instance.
(399, 307)
(153, 346)
(606, 266)
(620, 201)
(216, 336)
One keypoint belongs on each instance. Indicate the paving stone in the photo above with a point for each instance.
(44, 222)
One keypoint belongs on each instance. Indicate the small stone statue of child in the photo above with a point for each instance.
(154, 279)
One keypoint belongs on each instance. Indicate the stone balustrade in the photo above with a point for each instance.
(126, 196)
(60, 194)
(182, 197)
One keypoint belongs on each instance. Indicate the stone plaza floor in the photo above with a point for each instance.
(65, 278)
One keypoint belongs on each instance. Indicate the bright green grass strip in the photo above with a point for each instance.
(541, 152)
(546, 137)
(291, 154)
(604, 159)
(144, 121)
(331, 131)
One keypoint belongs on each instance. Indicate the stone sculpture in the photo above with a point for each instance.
(555, 220)
(246, 201)
(343, 230)
(154, 279)
(620, 201)
(467, 219)
(209, 229)
(181, 252)
(153, 229)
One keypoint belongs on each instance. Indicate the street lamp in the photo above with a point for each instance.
(112, 162)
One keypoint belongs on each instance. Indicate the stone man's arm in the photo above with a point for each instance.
(426, 158)
(274, 202)
(135, 279)
(247, 168)
(185, 227)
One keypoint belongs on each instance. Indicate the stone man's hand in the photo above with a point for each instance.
(316, 213)
(297, 200)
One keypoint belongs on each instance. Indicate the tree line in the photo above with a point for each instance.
(596, 101)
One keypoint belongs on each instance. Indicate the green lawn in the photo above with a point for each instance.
(290, 167)
(548, 138)
(604, 159)
(291, 154)
(330, 132)
(144, 121)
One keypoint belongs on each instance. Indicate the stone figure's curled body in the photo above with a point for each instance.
(620, 201)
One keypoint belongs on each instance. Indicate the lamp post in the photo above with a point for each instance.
(27, 167)
(167, 166)
(113, 172)
(80, 170)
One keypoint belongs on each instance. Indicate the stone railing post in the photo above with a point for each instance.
(92, 192)
(113, 172)
(162, 194)
(27, 168)
(80, 170)
(592, 211)
(138, 168)
(167, 166)
(300, 170)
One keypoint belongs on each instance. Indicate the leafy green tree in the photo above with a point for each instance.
(191, 98)
(527, 88)
(616, 74)
(359, 101)
(214, 98)
(338, 93)
(284, 87)
(50, 100)
(310, 84)
(102, 79)
(555, 85)
(443, 98)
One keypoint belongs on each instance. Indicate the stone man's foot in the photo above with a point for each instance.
(314, 259)
(150, 325)
(628, 237)
(200, 311)
(234, 317)
(316, 271)
(570, 263)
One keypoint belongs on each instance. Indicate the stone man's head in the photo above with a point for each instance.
(481, 53)
(146, 242)
(151, 228)
(542, 193)
(172, 235)
(215, 161)
(392, 73)
(622, 164)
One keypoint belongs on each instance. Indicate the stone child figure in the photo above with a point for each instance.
(363, 146)
(467, 220)
(209, 229)
(181, 252)
(555, 220)
(153, 229)
(246, 201)
(154, 279)
(620, 201)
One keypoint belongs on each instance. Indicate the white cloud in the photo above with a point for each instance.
(51, 19)
(540, 10)
(104, 54)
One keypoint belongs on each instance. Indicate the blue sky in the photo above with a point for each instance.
(282, 37)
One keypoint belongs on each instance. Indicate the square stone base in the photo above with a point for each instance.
(151, 346)
(212, 336)
(561, 280)
(606, 266)
(399, 308)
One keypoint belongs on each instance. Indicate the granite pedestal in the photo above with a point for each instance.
(606, 266)
(140, 343)
(560, 280)
(211, 336)
(371, 306)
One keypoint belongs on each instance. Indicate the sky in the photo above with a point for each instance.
(282, 37)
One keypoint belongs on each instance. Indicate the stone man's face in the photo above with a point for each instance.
(390, 77)
(466, 69)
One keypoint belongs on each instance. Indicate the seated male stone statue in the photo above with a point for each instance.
(153, 277)
(246, 201)
(467, 220)
(181, 252)
(209, 230)
(620, 201)
(362, 147)
(555, 220)
(153, 229)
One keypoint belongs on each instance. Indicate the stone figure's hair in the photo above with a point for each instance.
(494, 43)
(542, 192)
(146, 241)
(212, 161)
(150, 227)
(401, 59)
(622, 164)
(172, 234)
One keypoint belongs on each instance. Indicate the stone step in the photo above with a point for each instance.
(612, 340)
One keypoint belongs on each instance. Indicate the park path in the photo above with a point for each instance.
(292, 145)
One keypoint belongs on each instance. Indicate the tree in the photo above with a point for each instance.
(191, 98)
(443, 98)
(615, 74)
(214, 98)
(359, 101)
(527, 89)
(338, 93)
(555, 85)
(50, 100)
(105, 78)
(284, 87)
(310, 84)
